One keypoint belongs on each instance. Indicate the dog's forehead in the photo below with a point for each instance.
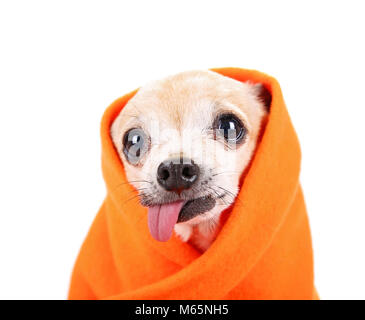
(183, 100)
(180, 112)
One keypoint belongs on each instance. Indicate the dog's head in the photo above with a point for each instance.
(185, 141)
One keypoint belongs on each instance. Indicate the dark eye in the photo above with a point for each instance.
(135, 144)
(230, 127)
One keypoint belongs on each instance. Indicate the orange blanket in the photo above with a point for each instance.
(263, 251)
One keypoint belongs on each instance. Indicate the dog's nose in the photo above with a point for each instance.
(177, 174)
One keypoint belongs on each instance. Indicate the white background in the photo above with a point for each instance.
(63, 62)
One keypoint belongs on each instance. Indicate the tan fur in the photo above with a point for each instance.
(177, 113)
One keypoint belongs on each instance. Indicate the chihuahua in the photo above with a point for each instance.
(185, 142)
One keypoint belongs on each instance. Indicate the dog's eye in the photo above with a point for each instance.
(135, 144)
(230, 127)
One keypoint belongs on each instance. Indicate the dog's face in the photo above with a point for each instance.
(185, 141)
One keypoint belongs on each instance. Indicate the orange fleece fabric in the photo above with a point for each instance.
(263, 250)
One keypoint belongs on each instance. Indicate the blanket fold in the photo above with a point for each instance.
(263, 251)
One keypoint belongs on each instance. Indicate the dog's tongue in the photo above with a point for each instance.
(162, 218)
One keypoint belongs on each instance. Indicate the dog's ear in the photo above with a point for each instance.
(263, 94)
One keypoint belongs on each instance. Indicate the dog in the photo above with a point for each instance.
(185, 142)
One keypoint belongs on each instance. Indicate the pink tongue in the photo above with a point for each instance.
(162, 218)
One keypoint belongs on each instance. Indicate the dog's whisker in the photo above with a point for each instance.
(133, 181)
(219, 196)
(129, 182)
(134, 197)
(231, 194)
(139, 189)
(226, 172)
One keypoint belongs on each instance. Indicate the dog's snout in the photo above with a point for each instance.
(177, 174)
